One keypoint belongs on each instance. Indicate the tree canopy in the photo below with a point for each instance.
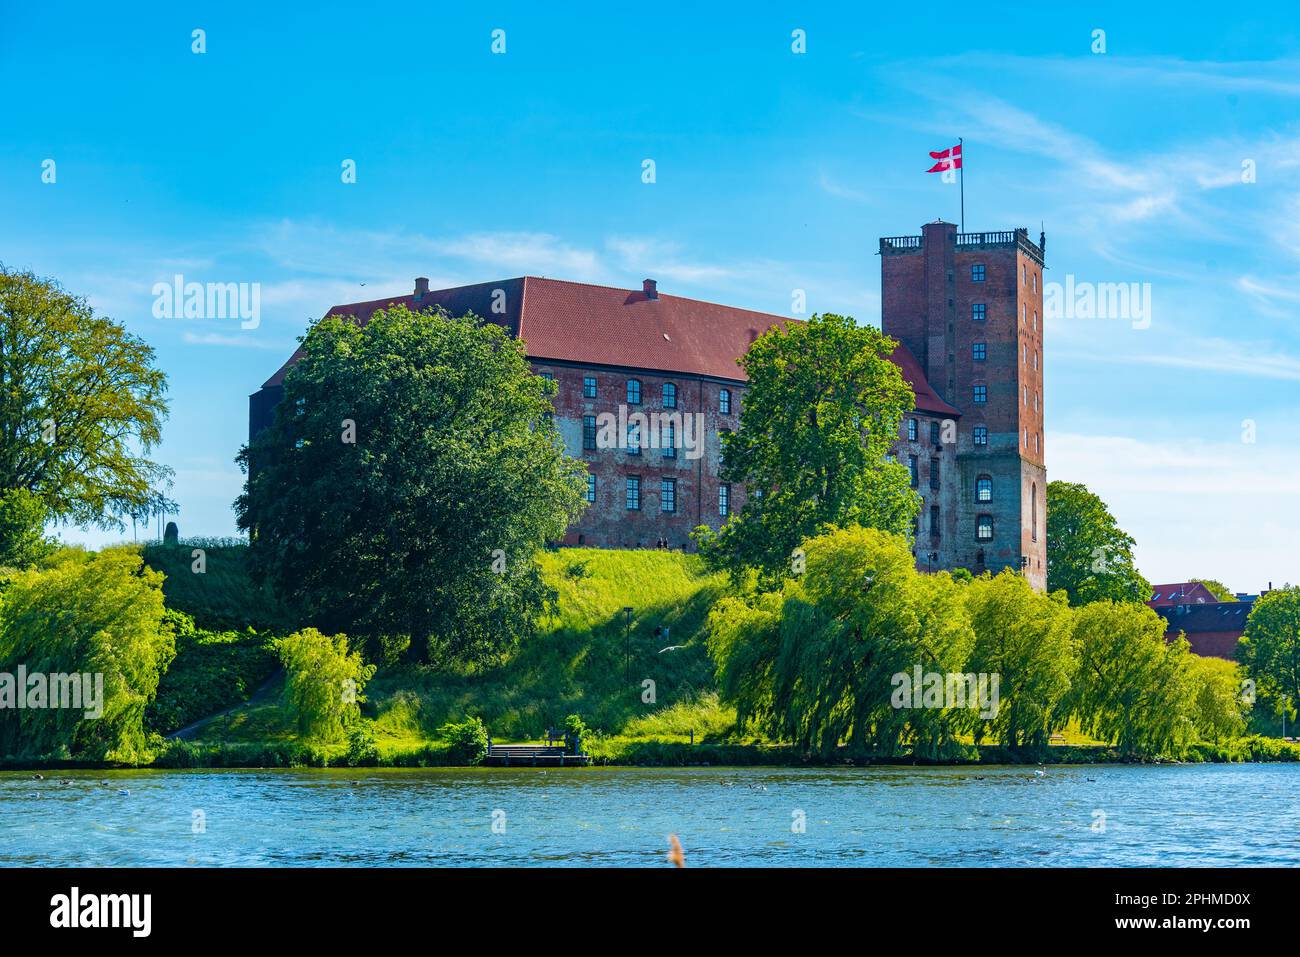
(81, 406)
(410, 475)
(1088, 554)
(1270, 645)
(821, 412)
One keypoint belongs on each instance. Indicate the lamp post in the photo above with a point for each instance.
(627, 644)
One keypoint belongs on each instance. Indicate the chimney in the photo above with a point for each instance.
(651, 288)
(421, 287)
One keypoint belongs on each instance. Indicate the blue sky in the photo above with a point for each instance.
(775, 171)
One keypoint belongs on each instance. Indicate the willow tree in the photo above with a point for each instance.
(81, 407)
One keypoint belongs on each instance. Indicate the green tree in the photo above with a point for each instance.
(1132, 688)
(1218, 704)
(85, 614)
(821, 412)
(1217, 588)
(324, 683)
(1270, 646)
(816, 663)
(22, 529)
(81, 405)
(1088, 555)
(1026, 638)
(410, 476)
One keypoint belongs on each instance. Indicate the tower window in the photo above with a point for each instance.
(984, 528)
(984, 489)
(911, 430)
(591, 488)
(668, 495)
(981, 394)
(588, 432)
(934, 474)
(981, 435)
(934, 432)
(724, 401)
(668, 439)
(912, 470)
(670, 396)
(634, 440)
(589, 387)
(724, 500)
(978, 351)
(977, 311)
(934, 521)
(977, 272)
(634, 493)
(633, 391)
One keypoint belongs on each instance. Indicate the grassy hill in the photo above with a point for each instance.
(586, 659)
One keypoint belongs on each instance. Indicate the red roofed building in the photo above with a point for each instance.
(615, 352)
(1181, 593)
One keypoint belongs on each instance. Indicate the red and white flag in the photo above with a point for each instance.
(948, 159)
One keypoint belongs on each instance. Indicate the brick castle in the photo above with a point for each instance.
(966, 309)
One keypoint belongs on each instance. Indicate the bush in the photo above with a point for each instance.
(467, 742)
(22, 529)
(213, 671)
(324, 685)
(362, 751)
(576, 730)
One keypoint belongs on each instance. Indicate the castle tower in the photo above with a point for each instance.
(969, 307)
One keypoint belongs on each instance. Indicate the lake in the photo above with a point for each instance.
(1177, 815)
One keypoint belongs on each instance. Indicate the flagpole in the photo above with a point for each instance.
(962, 171)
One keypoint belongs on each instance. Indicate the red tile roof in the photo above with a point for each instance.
(604, 325)
(1181, 593)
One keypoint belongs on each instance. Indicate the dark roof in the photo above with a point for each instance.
(603, 325)
(1218, 616)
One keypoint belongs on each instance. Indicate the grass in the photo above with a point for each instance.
(224, 595)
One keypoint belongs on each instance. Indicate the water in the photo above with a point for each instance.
(1167, 815)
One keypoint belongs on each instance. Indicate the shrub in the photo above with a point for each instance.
(362, 751)
(467, 742)
(324, 683)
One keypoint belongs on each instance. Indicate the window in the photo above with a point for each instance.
(670, 395)
(977, 311)
(1034, 277)
(934, 474)
(912, 470)
(934, 521)
(724, 401)
(984, 489)
(984, 528)
(591, 488)
(981, 394)
(724, 500)
(934, 431)
(979, 351)
(1022, 274)
(977, 272)
(634, 439)
(1026, 443)
(668, 440)
(1033, 512)
(668, 495)
(1024, 390)
(633, 391)
(1035, 401)
(911, 430)
(548, 377)
(634, 493)
(588, 432)
(1024, 313)
(981, 435)
(1035, 325)
(589, 387)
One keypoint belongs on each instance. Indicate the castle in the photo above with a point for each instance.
(966, 309)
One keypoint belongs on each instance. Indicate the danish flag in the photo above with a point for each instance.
(948, 159)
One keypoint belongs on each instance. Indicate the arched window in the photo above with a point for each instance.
(984, 489)
(633, 391)
(984, 528)
(724, 401)
(670, 395)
